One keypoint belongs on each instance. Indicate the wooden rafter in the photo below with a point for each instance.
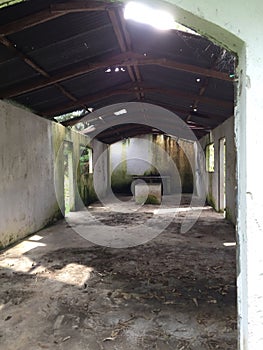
(131, 89)
(126, 59)
(127, 38)
(122, 90)
(121, 41)
(117, 30)
(6, 42)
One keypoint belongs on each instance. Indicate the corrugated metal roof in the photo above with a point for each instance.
(162, 67)
(177, 45)
(74, 49)
(61, 29)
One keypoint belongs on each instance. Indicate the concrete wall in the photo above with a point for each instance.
(27, 198)
(29, 146)
(148, 155)
(225, 130)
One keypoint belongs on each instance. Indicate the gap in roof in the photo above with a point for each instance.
(158, 19)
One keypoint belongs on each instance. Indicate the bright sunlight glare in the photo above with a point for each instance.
(156, 18)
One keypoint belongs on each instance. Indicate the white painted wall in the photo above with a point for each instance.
(225, 130)
(238, 25)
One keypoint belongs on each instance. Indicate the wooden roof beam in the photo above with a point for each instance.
(65, 75)
(6, 42)
(126, 59)
(117, 30)
(123, 90)
(136, 75)
(130, 89)
(122, 43)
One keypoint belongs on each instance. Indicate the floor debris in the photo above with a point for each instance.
(176, 292)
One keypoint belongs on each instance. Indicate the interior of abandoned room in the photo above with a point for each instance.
(118, 181)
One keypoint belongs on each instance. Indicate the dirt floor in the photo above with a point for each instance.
(178, 291)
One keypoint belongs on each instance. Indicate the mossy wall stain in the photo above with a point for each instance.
(120, 180)
(86, 189)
